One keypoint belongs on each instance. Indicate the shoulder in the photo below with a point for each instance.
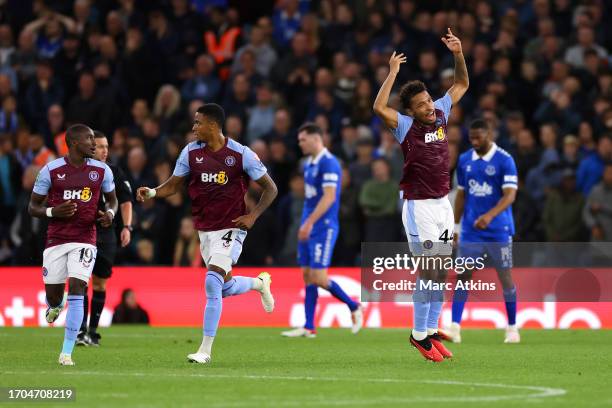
(330, 161)
(465, 157)
(193, 146)
(55, 164)
(99, 164)
(503, 153)
(236, 147)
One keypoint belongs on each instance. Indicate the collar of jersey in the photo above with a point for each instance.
(487, 157)
(316, 159)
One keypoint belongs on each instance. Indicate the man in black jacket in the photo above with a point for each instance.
(106, 241)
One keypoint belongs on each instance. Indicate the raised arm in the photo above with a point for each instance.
(462, 82)
(386, 113)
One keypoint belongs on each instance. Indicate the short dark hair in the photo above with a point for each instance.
(214, 112)
(76, 131)
(479, 124)
(99, 135)
(311, 128)
(408, 91)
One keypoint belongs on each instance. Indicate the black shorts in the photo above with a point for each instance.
(103, 268)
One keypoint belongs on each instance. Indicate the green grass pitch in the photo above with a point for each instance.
(147, 367)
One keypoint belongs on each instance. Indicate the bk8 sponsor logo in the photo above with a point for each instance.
(84, 194)
(438, 135)
(217, 178)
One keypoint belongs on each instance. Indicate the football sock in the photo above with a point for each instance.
(85, 311)
(421, 302)
(98, 298)
(212, 312)
(459, 298)
(310, 305)
(510, 299)
(435, 308)
(74, 317)
(238, 285)
(341, 295)
(206, 346)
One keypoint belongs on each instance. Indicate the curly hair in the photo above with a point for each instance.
(408, 91)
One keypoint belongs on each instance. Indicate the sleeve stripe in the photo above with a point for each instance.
(460, 187)
(330, 184)
(510, 185)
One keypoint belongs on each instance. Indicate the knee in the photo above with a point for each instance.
(214, 285)
(76, 286)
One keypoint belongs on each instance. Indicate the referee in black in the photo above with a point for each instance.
(106, 241)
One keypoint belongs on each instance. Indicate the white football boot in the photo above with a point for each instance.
(65, 359)
(453, 332)
(201, 358)
(299, 332)
(512, 335)
(267, 300)
(357, 318)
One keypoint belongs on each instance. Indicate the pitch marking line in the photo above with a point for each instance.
(539, 392)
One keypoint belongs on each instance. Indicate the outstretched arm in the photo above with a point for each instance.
(462, 82)
(166, 189)
(386, 113)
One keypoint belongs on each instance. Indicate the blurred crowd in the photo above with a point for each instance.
(540, 72)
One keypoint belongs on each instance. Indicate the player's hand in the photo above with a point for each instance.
(483, 221)
(106, 218)
(395, 61)
(142, 194)
(65, 210)
(452, 42)
(126, 237)
(245, 222)
(305, 231)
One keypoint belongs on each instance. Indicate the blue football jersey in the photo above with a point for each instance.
(324, 170)
(483, 180)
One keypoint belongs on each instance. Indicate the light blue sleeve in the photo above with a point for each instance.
(445, 104)
(181, 169)
(510, 174)
(460, 174)
(331, 173)
(403, 126)
(43, 182)
(252, 165)
(108, 184)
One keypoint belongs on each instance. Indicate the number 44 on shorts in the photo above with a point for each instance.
(227, 237)
(445, 237)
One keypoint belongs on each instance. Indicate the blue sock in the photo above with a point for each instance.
(421, 300)
(310, 305)
(341, 295)
(74, 317)
(435, 308)
(212, 312)
(510, 298)
(459, 298)
(237, 286)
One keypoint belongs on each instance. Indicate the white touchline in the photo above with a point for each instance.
(539, 392)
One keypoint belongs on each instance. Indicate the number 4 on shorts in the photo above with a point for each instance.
(445, 237)
(227, 237)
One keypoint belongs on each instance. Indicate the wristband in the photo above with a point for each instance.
(49, 212)
(110, 210)
(457, 227)
(151, 193)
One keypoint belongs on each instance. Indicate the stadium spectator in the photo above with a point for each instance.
(591, 168)
(187, 247)
(129, 311)
(562, 215)
(113, 65)
(598, 209)
(378, 200)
